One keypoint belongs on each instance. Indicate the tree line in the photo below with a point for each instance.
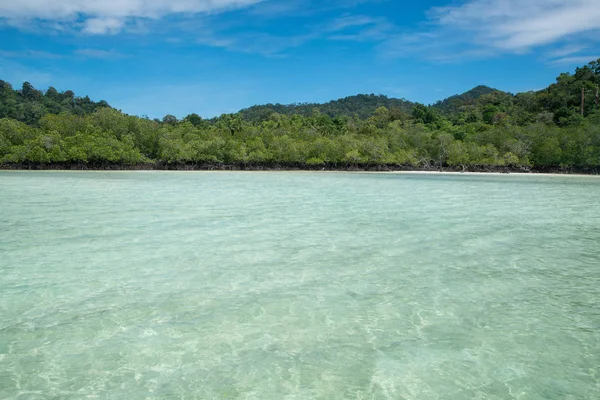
(557, 128)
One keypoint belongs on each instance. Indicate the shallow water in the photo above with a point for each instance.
(158, 285)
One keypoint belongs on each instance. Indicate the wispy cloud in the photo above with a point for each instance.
(432, 46)
(566, 50)
(105, 16)
(105, 25)
(571, 54)
(99, 54)
(279, 9)
(518, 25)
(214, 41)
(349, 21)
(345, 27)
(302, 8)
(257, 42)
(563, 30)
(199, 21)
(38, 54)
(484, 28)
(29, 54)
(361, 28)
(575, 60)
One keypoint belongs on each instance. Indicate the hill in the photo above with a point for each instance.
(362, 106)
(554, 129)
(454, 103)
(28, 104)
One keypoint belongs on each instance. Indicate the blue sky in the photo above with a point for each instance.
(157, 57)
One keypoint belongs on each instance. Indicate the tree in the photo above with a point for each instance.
(30, 93)
(52, 93)
(169, 119)
(483, 128)
(423, 114)
(194, 119)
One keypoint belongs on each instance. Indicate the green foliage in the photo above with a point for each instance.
(481, 128)
(454, 104)
(362, 106)
(29, 105)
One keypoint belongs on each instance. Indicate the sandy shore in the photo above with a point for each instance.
(483, 173)
(312, 171)
(302, 167)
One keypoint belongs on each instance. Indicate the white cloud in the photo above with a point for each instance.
(566, 50)
(488, 28)
(98, 53)
(107, 16)
(213, 41)
(346, 27)
(100, 26)
(350, 21)
(257, 42)
(29, 54)
(578, 60)
(519, 25)
(359, 28)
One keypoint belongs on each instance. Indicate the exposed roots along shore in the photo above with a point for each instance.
(291, 167)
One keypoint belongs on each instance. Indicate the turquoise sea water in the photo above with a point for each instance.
(174, 285)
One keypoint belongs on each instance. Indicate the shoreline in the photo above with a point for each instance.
(275, 167)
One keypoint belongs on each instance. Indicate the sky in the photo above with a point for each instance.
(158, 57)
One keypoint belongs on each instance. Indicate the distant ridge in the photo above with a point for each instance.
(553, 129)
(453, 103)
(34, 103)
(361, 105)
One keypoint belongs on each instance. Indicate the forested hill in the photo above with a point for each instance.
(557, 128)
(362, 106)
(28, 105)
(454, 103)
